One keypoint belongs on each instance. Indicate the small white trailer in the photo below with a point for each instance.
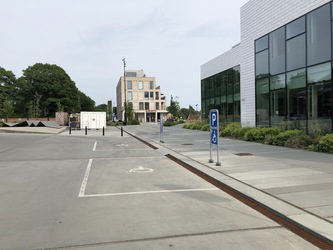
(93, 120)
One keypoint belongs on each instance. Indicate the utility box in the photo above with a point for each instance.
(93, 120)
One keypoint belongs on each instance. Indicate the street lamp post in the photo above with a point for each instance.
(125, 105)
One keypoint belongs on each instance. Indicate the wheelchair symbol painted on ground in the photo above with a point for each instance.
(141, 170)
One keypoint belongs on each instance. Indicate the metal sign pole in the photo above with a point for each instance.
(210, 144)
(161, 128)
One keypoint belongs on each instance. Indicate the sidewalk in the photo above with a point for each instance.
(296, 184)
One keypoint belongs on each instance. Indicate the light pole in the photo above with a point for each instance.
(125, 105)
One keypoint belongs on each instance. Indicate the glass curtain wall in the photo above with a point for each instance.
(222, 92)
(294, 73)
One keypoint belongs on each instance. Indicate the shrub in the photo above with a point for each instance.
(134, 122)
(234, 130)
(205, 127)
(301, 142)
(283, 137)
(325, 144)
(168, 123)
(229, 129)
(263, 135)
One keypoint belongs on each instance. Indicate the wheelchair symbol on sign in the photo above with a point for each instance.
(214, 137)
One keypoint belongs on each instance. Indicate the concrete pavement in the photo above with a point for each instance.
(295, 184)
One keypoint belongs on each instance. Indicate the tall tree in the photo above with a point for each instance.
(174, 108)
(8, 86)
(86, 103)
(54, 86)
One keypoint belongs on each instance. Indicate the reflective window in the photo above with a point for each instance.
(319, 35)
(151, 85)
(296, 53)
(141, 105)
(296, 94)
(262, 43)
(262, 102)
(151, 95)
(129, 84)
(129, 96)
(146, 95)
(146, 105)
(278, 99)
(278, 82)
(296, 27)
(320, 98)
(277, 51)
(262, 64)
(140, 85)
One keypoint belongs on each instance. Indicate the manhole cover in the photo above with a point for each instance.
(243, 154)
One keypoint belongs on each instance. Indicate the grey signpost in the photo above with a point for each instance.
(214, 134)
(161, 128)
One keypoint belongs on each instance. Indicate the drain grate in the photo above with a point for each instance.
(187, 144)
(243, 154)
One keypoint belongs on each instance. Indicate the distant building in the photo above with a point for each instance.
(147, 99)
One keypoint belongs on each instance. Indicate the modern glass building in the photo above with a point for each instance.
(284, 63)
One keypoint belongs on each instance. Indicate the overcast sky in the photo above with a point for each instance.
(168, 39)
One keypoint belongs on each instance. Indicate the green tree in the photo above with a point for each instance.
(86, 103)
(174, 108)
(129, 112)
(8, 91)
(7, 109)
(54, 86)
(101, 107)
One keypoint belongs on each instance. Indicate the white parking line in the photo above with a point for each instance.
(94, 148)
(151, 192)
(85, 179)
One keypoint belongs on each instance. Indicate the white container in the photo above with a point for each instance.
(93, 120)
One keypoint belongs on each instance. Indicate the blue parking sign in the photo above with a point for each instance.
(214, 118)
(214, 137)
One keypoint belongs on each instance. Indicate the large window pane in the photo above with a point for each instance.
(296, 27)
(320, 98)
(319, 35)
(296, 93)
(262, 102)
(277, 51)
(262, 44)
(278, 82)
(278, 100)
(262, 64)
(296, 53)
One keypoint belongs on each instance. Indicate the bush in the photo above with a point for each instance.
(263, 135)
(168, 123)
(205, 127)
(283, 137)
(229, 129)
(235, 131)
(325, 144)
(134, 122)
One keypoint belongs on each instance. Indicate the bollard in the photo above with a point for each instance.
(86, 130)
(103, 131)
(121, 131)
(70, 130)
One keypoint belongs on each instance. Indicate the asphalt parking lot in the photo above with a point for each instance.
(115, 192)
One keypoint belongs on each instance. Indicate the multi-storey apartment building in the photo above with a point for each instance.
(281, 72)
(146, 97)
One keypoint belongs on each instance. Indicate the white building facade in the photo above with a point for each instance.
(285, 66)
